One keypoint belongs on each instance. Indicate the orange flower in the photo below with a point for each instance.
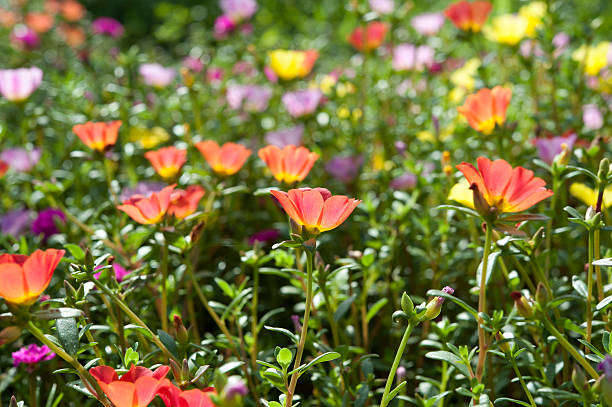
(39, 22)
(98, 135)
(148, 210)
(226, 159)
(173, 396)
(316, 209)
(468, 16)
(486, 108)
(505, 188)
(289, 164)
(72, 10)
(24, 278)
(136, 388)
(185, 202)
(374, 36)
(74, 36)
(167, 161)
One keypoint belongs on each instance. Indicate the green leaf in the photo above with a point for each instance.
(223, 285)
(504, 399)
(395, 391)
(131, 357)
(450, 358)
(603, 262)
(375, 308)
(286, 332)
(573, 212)
(76, 251)
(579, 286)
(362, 395)
(284, 358)
(604, 303)
(68, 334)
(490, 265)
(230, 366)
(168, 341)
(468, 211)
(344, 307)
(326, 357)
(57, 313)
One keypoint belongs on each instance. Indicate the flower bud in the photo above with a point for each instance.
(522, 305)
(9, 334)
(579, 379)
(503, 344)
(541, 295)
(188, 78)
(446, 156)
(480, 204)
(433, 308)
(563, 158)
(448, 170)
(604, 169)
(407, 304)
(234, 390)
(400, 373)
(182, 335)
(13, 402)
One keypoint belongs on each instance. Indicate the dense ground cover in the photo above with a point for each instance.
(326, 204)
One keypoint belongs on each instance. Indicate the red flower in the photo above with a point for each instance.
(24, 278)
(136, 388)
(3, 168)
(316, 209)
(289, 164)
(148, 210)
(486, 108)
(226, 159)
(185, 202)
(167, 161)
(98, 135)
(505, 188)
(468, 16)
(374, 36)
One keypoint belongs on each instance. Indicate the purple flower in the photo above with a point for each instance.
(344, 169)
(591, 116)
(428, 23)
(284, 137)
(238, 10)
(193, 64)
(270, 74)
(32, 354)
(549, 147)
(403, 182)
(107, 26)
(45, 223)
(156, 75)
(235, 387)
(382, 6)
(401, 147)
(120, 272)
(606, 367)
(264, 236)
(18, 84)
(400, 373)
(560, 41)
(223, 26)
(407, 57)
(20, 159)
(529, 48)
(16, 222)
(302, 102)
(144, 188)
(24, 37)
(251, 98)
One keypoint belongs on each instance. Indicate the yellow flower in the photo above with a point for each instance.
(327, 83)
(595, 58)
(464, 76)
(533, 13)
(343, 112)
(357, 113)
(148, 138)
(507, 29)
(462, 193)
(289, 64)
(589, 196)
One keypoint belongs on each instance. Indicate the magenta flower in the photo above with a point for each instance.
(24, 37)
(284, 137)
(251, 98)
(302, 102)
(408, 57)
(428, 23)
(45, 223)
(214, 74)
(264, 236)
(549, 147)
(16, 222)
(238, 10)
(107, 26)
(592, 117)
(120, 272)
(270, 74)
(193, 64)
(346, 168)
(382, 6)
(224, 25)
(20, 159)
(18, 84)
(156, 75)
(31, 355)
(403, 182)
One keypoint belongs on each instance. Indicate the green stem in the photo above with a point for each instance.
(549, 226)
(109, 181)
(443, 382)
(135, 318)
(85, 376)
(589, 304)
(597, 256)
(330, 312)
(164, 286)
(300, 348)
(254, 323)
(398, 357)
(520, 377)
(482, 303)
(568, 347)
(32, 382)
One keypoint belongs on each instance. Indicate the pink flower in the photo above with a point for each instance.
(592, 117)
(24, 37)
(403, 182)
(20, 159)
(31, 355)
(120, 272)
(238, 10)
(344, 169)
(18, 84)
(549, 147)
(214, 74)
(407, 57)
(193, 64)
(107, 26)
(156, 75)
(250, 98)
(302, 102)
(560, 41)
(382, 6)
(428, 23)
(224, 25)
(284, 137)
(270, 74)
